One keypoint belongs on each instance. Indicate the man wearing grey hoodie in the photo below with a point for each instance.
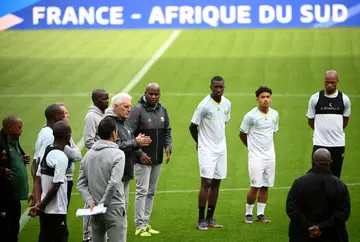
(100, 182)
(95, 114)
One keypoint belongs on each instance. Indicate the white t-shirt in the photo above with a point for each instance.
(260, 129)
(328, 128)
(211, 118)
(58, 160)
(45, 138)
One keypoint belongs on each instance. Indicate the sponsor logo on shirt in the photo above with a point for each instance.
(330, 108)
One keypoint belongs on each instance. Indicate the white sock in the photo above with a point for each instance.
(249, 209)
(261, 208)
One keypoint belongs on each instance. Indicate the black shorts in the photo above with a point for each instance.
(53, 228)
(337, 156)
(10, 212)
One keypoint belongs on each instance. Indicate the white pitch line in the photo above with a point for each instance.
(165, 94)
(222, 189)
(134, 81)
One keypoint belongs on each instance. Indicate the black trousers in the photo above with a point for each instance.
(53, 228)
(69, 190)
(10, 213)
(337, 155)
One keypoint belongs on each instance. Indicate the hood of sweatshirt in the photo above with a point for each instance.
(94, 109)
(104, 144)
(110, 113)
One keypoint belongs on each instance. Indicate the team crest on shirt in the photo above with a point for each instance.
(273, 120)
(3, 155)
(226, 112)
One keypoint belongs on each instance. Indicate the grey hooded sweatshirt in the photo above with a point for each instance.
(91, 123)
(100, 175)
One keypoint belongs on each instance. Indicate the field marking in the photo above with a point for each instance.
(134, 81)
(165, 94)
(221, 189)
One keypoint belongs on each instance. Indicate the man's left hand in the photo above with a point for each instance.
(26, 159)
(168, 154)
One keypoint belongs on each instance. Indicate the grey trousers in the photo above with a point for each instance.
(126, 193)
(147, 177)
(113, 223)
(86, 226)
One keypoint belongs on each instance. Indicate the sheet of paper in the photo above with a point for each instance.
(86, 211)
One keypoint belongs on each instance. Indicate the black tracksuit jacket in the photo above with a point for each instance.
(153, 121)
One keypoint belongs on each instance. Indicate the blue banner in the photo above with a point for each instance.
(180, 14)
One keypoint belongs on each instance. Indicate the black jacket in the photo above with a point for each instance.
(153, 121)
(318, 198)
(5, 162)
(126, 142)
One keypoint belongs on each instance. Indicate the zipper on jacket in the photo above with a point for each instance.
(157, 144)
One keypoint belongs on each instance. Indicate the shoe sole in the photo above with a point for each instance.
(216, 226)
(203, 229)
(263, 221)
(248, 222)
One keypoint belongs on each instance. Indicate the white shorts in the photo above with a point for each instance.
(262, 174)
(212, 166)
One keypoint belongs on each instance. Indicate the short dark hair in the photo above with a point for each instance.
(263, 89)
(9, 120)
(51, 111)
(217, 79)
(60, 130)
(95, 94)
(106, 127)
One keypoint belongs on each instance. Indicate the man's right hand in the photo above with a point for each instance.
(36, 210)
(143, 140)
(314, 231)
(8, 173)
(145, 159)
(91, 206)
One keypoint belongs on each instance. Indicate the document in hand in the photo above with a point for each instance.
(86, 211)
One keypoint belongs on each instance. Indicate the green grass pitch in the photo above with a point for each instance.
(41, 67)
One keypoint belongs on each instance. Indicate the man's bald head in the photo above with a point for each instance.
(9, 120)
(152, 93)
(332, 74)
(322, 157)
(331, 80)
(152, 86)
(62, 131)
(12, 126)
(100, 99)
